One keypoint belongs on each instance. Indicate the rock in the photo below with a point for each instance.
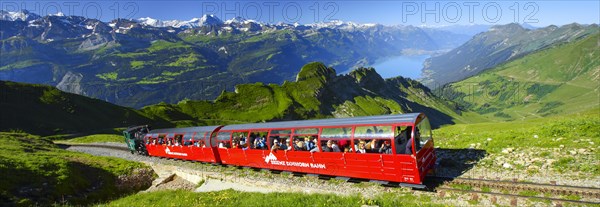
(507, 165)
(507, 150)
(581, 151)
(489, 139)
(573, 152)
(535, 136)
(561, 146)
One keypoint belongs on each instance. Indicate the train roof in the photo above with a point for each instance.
(370, 120)
(185, 130)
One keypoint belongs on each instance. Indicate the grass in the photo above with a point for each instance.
(44, 110)
(97, 138)
(523, 133)
(558, 138)
(37, 172)
(236, 198)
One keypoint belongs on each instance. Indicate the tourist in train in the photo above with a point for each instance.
(361, 147)
(332, 147)
(310, 144)
(222, 145)
(262, 143)
(235, 145)
(299, 146)
(347, 149)
(275, 145)
(284, 145)
(386, 148)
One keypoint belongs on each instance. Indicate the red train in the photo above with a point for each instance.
(388, 148)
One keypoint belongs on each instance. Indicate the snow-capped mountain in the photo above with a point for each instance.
(141, 56)
(22, 15)
(205, 20)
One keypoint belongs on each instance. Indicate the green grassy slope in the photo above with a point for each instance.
(560, 80)
(45, 110)
(37, 172)
(236, 198)
(566, 144)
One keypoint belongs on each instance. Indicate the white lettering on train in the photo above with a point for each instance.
(271, 158)
(168, 151)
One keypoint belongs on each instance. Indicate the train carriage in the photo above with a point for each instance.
(395, 148)
(388, 143)
(191, 143)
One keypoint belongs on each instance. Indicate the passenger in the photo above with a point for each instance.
(284, 145)
(361, 148)
(169, 142)
(245, 146)
(299, 146)
(386, 148)
(276, 145)
(177, 143)
(262, 143)
(311, 144)
(235, 145)
(332, 146)
(222, 145)
(346, 149)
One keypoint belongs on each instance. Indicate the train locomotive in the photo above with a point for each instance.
(391, 149)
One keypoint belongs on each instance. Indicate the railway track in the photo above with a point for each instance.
(589, 192)
(445, 183)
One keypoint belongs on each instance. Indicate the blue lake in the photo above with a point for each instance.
(405, 66)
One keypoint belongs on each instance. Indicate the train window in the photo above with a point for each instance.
(213, 140)
(336, 139)
(200, 139)
(373, 139)
(224, 139)
(278, 142)
(177, 139)
(307, 131)
(187, 139)
(305, 143)
(258, 140)
(239, 140)
(401, 138)
(422, 133)
(161, 138)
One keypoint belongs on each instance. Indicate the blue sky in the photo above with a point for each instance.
(537, 13)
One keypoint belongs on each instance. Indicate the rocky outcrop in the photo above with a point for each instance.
(71, 83)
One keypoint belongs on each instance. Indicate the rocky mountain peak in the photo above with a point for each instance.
(316, 70)
(22, 15)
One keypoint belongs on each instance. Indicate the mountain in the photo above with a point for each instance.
(470, 30)
(562, 79)
(147, 61)
(496, 46)
(45, 110)
(317, 92)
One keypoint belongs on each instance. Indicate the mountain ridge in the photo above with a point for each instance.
(500, 44)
